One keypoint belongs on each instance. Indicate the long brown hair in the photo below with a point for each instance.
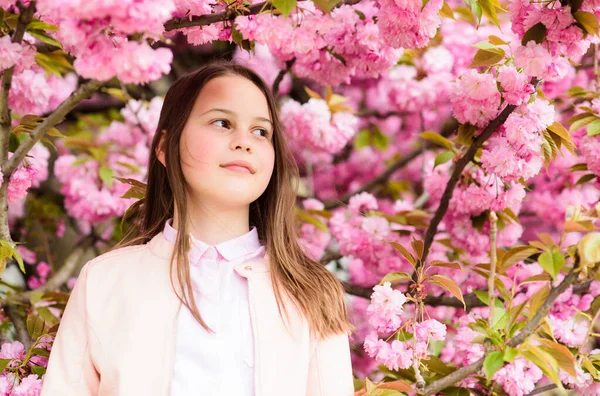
(318, 294)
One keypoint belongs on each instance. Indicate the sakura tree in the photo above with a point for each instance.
(449, 157)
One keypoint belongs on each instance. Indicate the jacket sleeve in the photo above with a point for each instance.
(71, 370)
(330, 369)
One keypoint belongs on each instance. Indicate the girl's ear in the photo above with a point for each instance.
(160, 152)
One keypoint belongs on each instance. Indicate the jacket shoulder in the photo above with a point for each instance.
(118, 256)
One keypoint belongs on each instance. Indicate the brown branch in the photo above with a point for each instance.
(542, 389)
(471, 299)
(459, 166)
(385, 175)
(5, 119)
(531, 326)
(280, 75)
(84, 91)
(60, 277)
(25, 16)
(203, 20)
(376, 114)
(20, 325)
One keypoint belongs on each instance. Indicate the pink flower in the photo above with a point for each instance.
(475, 99)
(533, 58)
(570, 332)
(28, 256)
(43, 269)
(519, 377)
(430, 329)
(515, 85)
(312, 125)
(385, 308)
(362, 202)
(29, 386)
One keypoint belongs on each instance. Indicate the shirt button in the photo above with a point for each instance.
(248, 268)
(211, 253)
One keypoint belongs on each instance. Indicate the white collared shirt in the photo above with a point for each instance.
(221, 363)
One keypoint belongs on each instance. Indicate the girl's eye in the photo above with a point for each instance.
(224, 123)
(264, 131)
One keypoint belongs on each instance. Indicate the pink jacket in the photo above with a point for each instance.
(117, 334)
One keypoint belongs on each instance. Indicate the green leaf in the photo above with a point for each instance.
(437, 139)
(536, 33)
(39, 370)
(492, 363)
(514, 255)
(43, 36)
(407, 255)
(454, 391)
(510, 354)
(594, 128)
(552, 262)
(4, 363)
(285, 6)
(443, 157)
(587, 21)
(489, 10)
(449, 285)
(585, 178)
(362, 139)
(476, 10)
(106, 174)
(446, 11)
(487, 57)
(39, 25)
(326, 5)
(35, 325)
(465, 134)
(394, 277)
(561, 353)
(380, 141)
(306, 217)
(544, 361)
(581, 120)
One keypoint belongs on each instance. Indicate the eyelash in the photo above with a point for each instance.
(266, 135)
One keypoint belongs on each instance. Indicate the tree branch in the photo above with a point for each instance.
(459, 166)
(83, 92)
(471, 300)
(203, 20)
(5, 119)
(20, 325)
(531, 326)
(542, 389)
(385, 175)
(280, 75)
(60, 277)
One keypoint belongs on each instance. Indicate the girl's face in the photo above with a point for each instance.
(229, 123)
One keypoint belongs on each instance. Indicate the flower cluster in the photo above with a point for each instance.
(313, 126)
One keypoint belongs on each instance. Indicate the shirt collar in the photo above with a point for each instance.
(230, 250)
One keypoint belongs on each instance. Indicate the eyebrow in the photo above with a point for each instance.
(232, 113)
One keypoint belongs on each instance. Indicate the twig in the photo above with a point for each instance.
(84, 91)
(457, 172)
(385, 175)
(493, 234)
(20, 325)
(60, 277)
(471, 300)
(281, 74)
(377, 114)
(5, 120)
(531, 326)
(203, 20)
(542, 389)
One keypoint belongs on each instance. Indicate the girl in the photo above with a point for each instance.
(210, 292)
